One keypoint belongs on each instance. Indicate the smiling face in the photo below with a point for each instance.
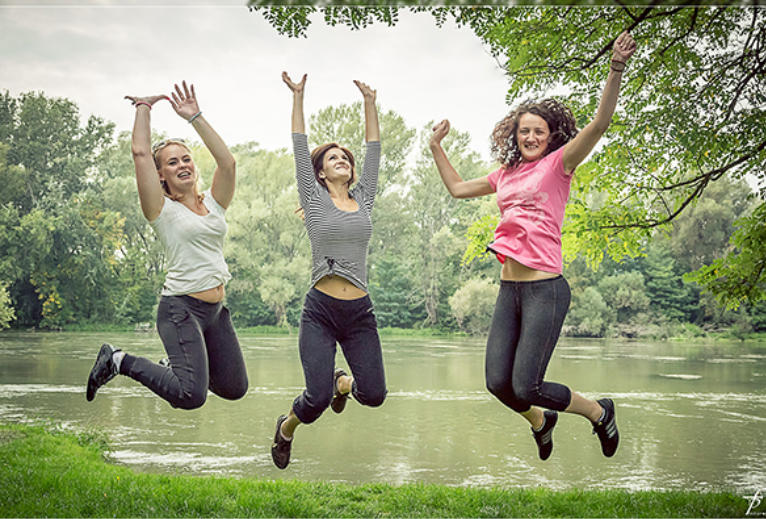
(336, 167)
(176, 168)
(533, 136)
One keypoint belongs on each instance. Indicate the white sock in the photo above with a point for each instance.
(117, 357)
(603, 416)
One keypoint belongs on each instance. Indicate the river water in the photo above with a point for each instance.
(691, 416)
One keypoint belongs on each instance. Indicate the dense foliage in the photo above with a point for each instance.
(75, 249)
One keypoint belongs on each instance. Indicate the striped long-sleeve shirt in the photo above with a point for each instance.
(339, 239)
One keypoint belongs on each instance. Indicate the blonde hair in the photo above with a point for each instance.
(157, 149)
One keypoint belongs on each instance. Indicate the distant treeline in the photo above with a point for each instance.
(75, 248)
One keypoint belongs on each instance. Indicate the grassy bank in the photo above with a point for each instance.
(45, 472)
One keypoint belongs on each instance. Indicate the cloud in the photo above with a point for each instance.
(94, 55)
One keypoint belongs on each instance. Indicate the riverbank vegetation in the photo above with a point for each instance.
(47, 472)
(76, 253)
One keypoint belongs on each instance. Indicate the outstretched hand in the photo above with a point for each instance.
(297, 88)
(147, 99)
(185, 102)
(624, 47)
(440, 131)
(366, 91)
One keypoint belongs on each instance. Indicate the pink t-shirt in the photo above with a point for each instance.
(532, 198)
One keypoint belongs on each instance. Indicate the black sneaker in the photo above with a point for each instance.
(607, 428)
(544, 437)
(339, 399)
(280, 449)
(103, 370)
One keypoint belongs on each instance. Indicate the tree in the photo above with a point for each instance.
(52, 216)
(625, 295)
(589, 315)
(691, 110)
(440, 221)
(391, 290)
(6, 310)
(668, 294)
(473, 303)
(740, 275)
(267, 248)
(140, 268)
(701, 233)
(44, 137)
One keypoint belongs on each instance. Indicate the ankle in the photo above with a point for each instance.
(117, 358)
(345, 383)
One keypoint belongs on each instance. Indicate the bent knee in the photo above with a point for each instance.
(375, 399)
(496, 386)
(526, 396)
(507, 396)
(234, 392)
(189, 401)
(318, 403)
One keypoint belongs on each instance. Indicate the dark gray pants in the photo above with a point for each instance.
(325, 321)
(524, 331)
(203, 351)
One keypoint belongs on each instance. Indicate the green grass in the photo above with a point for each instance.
(46, 472)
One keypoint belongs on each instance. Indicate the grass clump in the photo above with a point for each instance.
(54, 473)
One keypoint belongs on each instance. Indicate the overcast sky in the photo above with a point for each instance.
(96, 52)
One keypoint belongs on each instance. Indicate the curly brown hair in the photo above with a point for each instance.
(561, 123)
(317, 160)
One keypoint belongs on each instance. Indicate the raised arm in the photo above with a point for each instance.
(304, 171)
(185, 104)
(578, 148)
(457, 187)
(371, 124)
(150, 192)
(299, 124)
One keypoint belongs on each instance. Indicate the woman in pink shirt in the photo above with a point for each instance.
(539, 148)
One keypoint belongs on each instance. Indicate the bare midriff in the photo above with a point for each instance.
(339, 288)
(515, 271)
(211, 295)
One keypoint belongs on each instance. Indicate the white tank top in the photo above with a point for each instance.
(193, 246)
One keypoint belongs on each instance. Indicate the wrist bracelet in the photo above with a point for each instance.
(143, 103)
(624, 65)
(195, 116)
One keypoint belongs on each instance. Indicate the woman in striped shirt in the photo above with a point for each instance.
(337, 309)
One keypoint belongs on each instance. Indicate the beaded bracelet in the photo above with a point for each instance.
(195, 116)
(143, 103)
(624, 65)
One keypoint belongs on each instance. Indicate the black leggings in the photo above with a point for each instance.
(326, 320)
(525, 327)
(203, 351)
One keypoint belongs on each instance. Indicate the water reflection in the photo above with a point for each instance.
(691, 416)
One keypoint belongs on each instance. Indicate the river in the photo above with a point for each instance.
(691, 416)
